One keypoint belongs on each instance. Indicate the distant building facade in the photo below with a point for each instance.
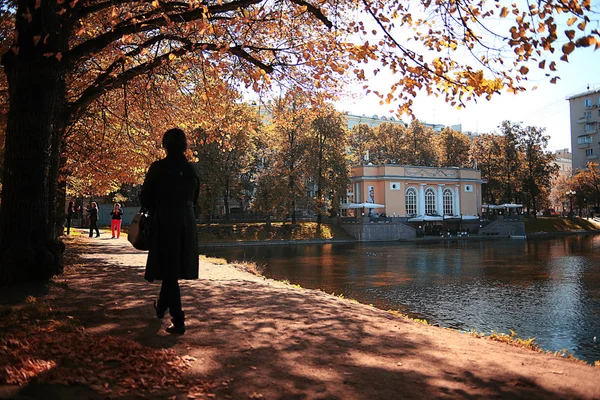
(585, 117)
(564, 161)
(376, 120)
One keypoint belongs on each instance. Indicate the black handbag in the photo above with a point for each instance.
(141, 230)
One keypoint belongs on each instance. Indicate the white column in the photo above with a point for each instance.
(440, 199)
(457, 201)
(357, 192)
(421, 203)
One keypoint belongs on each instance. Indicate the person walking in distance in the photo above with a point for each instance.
(93, 213)
(115, 222)
(170, 192)
(70, 213)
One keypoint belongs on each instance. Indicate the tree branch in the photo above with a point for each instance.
(105, 82)
(98, 43)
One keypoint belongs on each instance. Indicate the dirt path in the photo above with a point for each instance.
(262, 339)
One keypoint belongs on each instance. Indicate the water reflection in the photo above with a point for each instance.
(546, 288)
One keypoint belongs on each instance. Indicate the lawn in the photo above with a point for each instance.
(260, 232)
(554, 224)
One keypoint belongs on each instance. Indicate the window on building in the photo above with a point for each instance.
(590, 127)
(448, 202)
(587, 114)
(411, 201)
(587, 102)
(430, 208)
(584, 140)
(589, 152)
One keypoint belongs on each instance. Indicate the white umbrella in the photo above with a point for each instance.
(365, 205)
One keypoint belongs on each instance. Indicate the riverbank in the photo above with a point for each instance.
(306, 233)
(250, 337)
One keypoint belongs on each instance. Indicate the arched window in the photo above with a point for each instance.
(411, 202)
(448, 202)
(430, 208)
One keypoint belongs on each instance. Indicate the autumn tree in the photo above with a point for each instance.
(387, 144)
(225, 156)
(327, 161)
(418, 144)
(64, 56)
(486, 155)
(292, 117)
(539, 166)
(360, 143)
(453, 149)
(511, 163)
(586, 183)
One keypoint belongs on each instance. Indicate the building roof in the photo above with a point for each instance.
(587, 93)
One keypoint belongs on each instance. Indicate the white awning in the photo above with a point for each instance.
(362, 205)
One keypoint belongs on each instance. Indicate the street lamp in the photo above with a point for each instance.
(570, 195)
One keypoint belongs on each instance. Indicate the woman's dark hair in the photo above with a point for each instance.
(174, 141)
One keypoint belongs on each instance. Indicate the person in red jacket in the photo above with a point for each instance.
(115, 222)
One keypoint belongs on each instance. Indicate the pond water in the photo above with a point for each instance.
(543, 288)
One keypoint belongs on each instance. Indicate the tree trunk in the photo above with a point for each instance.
(226, 204)
(61, 197)
(37, 89)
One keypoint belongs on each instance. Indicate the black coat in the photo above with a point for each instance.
(170, 192)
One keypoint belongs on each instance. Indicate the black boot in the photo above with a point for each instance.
(177, 326)
(160, 311)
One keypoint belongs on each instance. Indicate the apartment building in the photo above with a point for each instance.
(585, 117)
(564, 161)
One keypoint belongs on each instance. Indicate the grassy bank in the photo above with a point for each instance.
(559, 225)
(261, 232)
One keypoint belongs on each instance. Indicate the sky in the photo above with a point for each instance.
(545, 107)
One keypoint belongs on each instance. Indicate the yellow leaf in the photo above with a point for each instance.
(504, 12)
(571, 21)
(581, 26)
(524, 70)
(542, 64)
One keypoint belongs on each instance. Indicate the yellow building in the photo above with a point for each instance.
(410, 191)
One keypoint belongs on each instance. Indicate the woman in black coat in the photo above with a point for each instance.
(170, 192)
(93, 214)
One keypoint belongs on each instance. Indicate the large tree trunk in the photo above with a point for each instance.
(37, 90)
(60, 216)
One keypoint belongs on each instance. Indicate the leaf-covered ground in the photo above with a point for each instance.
(39, 345)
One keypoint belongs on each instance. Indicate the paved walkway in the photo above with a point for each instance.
(261, 339)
